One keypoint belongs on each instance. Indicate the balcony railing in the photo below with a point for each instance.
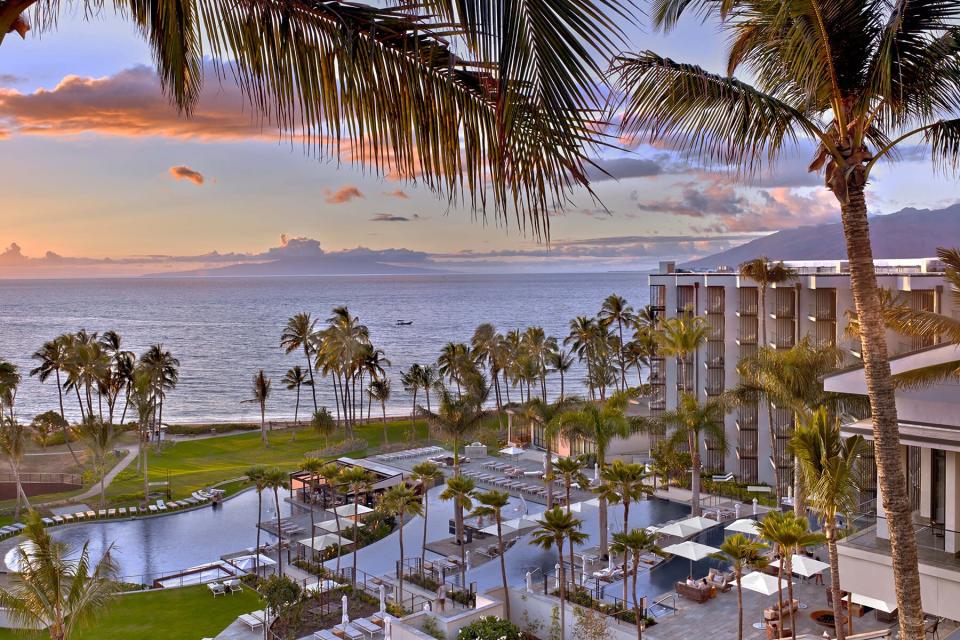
(748, 310)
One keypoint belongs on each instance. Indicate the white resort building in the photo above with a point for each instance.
(813, 304)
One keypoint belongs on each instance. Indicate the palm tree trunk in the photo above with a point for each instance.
(626, 528)
(604, 552)
(548, 476)
(876, 366)
(503, 568)
(561, 384)
(383, 409)
(296, 407)
(313, 386)
(400, 566)
(773, 452)
(829, 529)
(563, 587)
(695, 478)
(423, 547)
(788, 559)
(356, 508)
(740, 607)
(623, 366)
(263, 427)
(336, 515)
(780, 596)
(276, 500)
(462, 543)
(256, 557)
(636, 602)
(506, 385)
(66, 435)
(145, 444)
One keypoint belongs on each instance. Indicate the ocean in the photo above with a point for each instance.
(224, 329)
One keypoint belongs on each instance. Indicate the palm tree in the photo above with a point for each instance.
(53, 359)
(13, 444)
(547, 416)
(401, 501)
(860, 80)
(260, 388)
(687, 424)
(454, 362)
(9, 383)
(332, 478)
(487, 350)
(411, 379)
(765, 273)
(293, 380)
(622, 482)
(635, 543)
(358, 482)
(100, 438)
(553, 529)
(429, 380)
(276, 479)
(427, 473)
(616, 309)
(561, 362)
(258, 476)
(323, 423)
(312, 466)
(742, 553)
(460, 490)
(458, 416)
(141, 395)
(680, 338)
(787, 532)
(828, 464)
(299, 334)
(491, 503)
(600, 424)
(164, 372)
(571, 469)
(379, 390)
(54, 587)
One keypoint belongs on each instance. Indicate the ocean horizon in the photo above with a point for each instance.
(224, 329)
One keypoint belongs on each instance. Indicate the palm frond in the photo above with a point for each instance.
(944, 139)
(924, 324)
(928, 376)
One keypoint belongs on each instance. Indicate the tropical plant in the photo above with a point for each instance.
(547, 416)
(427, 473)
(260, 388)
(490, 628)
(491, 504)
(686, 425)
(458, 416)
(332, 478)
(600, 424)
(861, 80)
(163, 371)
(293, 380)
(766, 273)
(460, 489)
(680, 338)
(55, 587)
(742, 553)
(276, 479)
(828, 464)
(571, 470)
(486, 349)
(616, 310)
(379, 390)
(787, 532)
(13, 444)
(323, 423)
(52, 357)
(634, 543)
(622, 482)
(401, 501)
(100, 438)
(299, 334)
(258, 476)
(141, 395)
(9, 383)
(358, 482)
(561, 362)
(553, 529)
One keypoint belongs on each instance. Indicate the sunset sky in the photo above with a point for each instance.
(96, 164)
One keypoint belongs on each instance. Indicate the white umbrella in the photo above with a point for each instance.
(386, 629)
(520, 523)
(744, 525)
(344, 616)
(677, 530)
(873, 603)
(761, 583)
(506, 527)
(511, 451)
(804, 566)
(699, 523)
(383, 598)
(691, 550)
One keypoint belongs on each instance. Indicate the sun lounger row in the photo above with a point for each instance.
(508, 483)
(159, 506)
(410, 453)
(225, 587)
(254, 619)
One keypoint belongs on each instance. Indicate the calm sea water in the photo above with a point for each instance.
(224, 329)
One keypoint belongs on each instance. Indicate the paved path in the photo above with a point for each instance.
(93, 491)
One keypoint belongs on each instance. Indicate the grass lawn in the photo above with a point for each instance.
(193, 464)
(171, 614)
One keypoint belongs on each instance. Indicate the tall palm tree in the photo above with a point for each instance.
(460, 490)
(55, 587)
(634, 543)
(52, 357)
(9, 383)
(332, 479)
(293, 380)
(787, 532)
(312, 466)
(766, 273)
(553, 529)
(164, 372)
(491, 504)
(141, 395)
(571, 470)
(276, 479)
(828, 464)
(358, 482)
(100, 438)
(860, 80)
(486, 347)
(324, 424)
(401, 501)
(616, 310)
(299, 334)
(13, 444)
(686, 425)
(561, 362)
(600, 424)
(742, 553)
(258, 476)
(429, 381)
(411, 379)
(458, 416)
(427, 473)
(680, 338)
(454, 362)
(260, 388)
(622, 482)
(547, 416)
(379, 390)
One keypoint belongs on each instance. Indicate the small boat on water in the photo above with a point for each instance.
(404, 323)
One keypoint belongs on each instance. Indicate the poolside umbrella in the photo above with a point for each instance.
(387, 623)
(804, 566)
(699, 523)
(511, 451)
(761, 583)
(344, 615)
(873, 603)
(383, 598)
(691, 550)
(678, 530)
(744, 525)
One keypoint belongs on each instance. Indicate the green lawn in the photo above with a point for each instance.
(193, 464)
(172, 614)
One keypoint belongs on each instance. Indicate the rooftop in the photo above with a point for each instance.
(883, 266)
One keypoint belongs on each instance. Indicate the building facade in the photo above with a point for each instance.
(817, 303)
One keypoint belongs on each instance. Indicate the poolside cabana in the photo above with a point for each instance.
(384, 476)
(318, 544)
(330, 526)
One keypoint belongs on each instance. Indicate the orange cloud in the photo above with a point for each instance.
(342, 195)
(182, 172)
(397, 193)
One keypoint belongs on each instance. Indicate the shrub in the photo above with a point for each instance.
(490, 628)
(431, 627)
(339, 448)
(203, 429)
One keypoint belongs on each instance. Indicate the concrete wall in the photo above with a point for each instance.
(539, 616)
(409, 627)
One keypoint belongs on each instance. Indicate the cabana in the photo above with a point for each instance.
(318, 544)
(384, 476)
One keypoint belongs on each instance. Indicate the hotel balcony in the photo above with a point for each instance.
(747, 312)
(747, 339)
(746, 425)
(784, 313)
(714, 363)
(746, 453)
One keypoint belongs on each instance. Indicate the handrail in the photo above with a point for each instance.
(672, 597)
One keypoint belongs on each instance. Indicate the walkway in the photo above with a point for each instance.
(94, 491)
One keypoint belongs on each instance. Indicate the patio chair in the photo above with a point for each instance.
(216, 589)
(349, 631)
(111, 513)
(152, 508)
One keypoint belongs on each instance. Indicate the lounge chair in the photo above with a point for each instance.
(153, 508)
(47, 521)
(233, 585)
(366, 626)
(325, 634)
(698, 594)
(58, 519)
(161, 505)
(349, 631)
(132, 511)
(122, 511)
(80, 515)
(111, 512)
(91, 515)
(216, 589)
(101, 513)
(251, 621)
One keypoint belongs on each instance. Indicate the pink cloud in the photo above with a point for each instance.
(342, 195)
(183, 172)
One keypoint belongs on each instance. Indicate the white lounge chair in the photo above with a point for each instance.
(216, 589)
(47, 521)
(91, 515)
(349, 631)
(101, 513)
(161, 505)
(153, 508)
(325, 634)
(132, 510)
(366, 626)
(122, 511)
(250, 621)
(111, 513)
(233, 585)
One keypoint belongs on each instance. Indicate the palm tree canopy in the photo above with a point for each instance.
(555, 525)
(491, 503)
(460, 490)
(765, 271)
(401, 501)
(692, 420)
(295, 377)
(600, 423)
